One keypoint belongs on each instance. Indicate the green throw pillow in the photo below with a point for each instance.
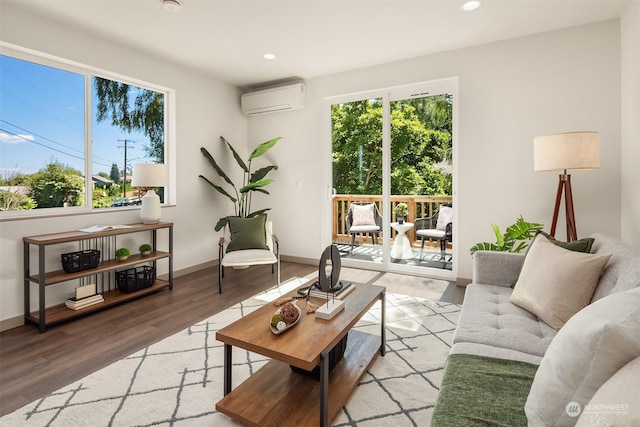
(247, 233)
(582, 245)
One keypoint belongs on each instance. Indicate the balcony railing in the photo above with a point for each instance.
(418, 207)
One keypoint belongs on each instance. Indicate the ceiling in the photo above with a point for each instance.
(228, 38)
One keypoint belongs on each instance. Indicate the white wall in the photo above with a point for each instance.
(630, 177)
(206, 109)
(509, 92)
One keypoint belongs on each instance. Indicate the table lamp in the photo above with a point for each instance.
(150, 175)
(565, 151)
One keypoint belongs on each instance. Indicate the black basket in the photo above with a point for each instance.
(134, 279)
(81, 260)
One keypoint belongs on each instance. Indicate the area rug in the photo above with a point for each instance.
(177, 381)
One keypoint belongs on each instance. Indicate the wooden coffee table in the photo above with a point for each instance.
(277, 396)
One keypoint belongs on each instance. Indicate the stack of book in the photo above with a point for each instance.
(340, 293)
(78, 303)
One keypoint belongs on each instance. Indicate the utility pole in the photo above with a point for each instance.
(124, 181)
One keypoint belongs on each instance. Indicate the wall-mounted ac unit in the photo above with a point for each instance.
(273, 100)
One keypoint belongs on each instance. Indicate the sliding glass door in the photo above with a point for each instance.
(392, 178)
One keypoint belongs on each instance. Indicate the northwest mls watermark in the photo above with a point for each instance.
(573, 409)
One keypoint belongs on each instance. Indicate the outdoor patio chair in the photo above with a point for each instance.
(246, 253)
(363, 218)
(443, 231)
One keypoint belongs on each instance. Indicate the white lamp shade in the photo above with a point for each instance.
(562, 151)
(150, 175)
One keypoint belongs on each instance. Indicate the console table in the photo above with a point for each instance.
(46, 316)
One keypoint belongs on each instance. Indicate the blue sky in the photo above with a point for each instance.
(42, 120)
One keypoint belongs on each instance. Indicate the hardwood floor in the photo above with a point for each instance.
(33, 365)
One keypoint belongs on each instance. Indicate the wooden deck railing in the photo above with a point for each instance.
(418, 206)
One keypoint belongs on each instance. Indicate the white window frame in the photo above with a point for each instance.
(88, 72)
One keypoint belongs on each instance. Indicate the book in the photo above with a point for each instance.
(340, 294)
(97, 228)
(78, 303)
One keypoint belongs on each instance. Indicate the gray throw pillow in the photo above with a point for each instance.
(247, 233)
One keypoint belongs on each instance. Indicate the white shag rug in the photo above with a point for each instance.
(177, 381)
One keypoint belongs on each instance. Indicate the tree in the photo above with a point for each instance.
(421, 143)
(14, 201)
(115, 174)
(56, 185)
(145, 113)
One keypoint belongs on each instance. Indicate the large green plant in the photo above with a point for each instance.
(515, 239)
(251, 181)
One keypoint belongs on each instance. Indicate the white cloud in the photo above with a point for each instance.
(15, 139)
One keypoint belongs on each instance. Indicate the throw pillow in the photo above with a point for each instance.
(247, 233)
(582, 245)
(617, 402)
(586, 352)
(445, 216)
(555, 283)
(363, 214)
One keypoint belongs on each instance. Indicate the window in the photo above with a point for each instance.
(69, 136)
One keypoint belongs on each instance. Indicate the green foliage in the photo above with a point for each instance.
(122, 252)
(145, 113)
(251, 182)
(515, 239)
(145, 247)
(100, 198)
(421, 143)
(14, 201)
(401, 209)
(115, 174)
(56, 185)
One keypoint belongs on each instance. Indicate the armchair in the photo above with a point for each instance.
(443, 231)
(363, 218)
(245, 252)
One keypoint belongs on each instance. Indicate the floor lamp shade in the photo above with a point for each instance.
(566, 151)
(150, 175)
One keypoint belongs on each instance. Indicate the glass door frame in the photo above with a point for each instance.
(422, 89)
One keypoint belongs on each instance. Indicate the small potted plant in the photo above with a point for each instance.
(122, 254)
(401, 211)
(145, 249)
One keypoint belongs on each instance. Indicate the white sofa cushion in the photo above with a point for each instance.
(555, 283)
(593, 345)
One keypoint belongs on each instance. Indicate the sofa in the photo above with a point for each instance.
(550, 337)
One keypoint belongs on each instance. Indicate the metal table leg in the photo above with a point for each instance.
(324, 389)
(228, 364)
(383, 339)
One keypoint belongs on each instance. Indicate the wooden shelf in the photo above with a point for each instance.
(277, 396)
(45, 316)
(60, 313)
(59, 276)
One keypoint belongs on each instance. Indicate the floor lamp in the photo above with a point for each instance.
(566, 151)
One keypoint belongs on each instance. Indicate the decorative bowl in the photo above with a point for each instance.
(279, 331)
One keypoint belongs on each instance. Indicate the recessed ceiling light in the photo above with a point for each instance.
(171, 5)
(471, 5)
(269, 56)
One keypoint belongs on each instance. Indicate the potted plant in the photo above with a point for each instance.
(251, 181)
(145, 249)
(521, 232)
(122, 254)
(401, 211)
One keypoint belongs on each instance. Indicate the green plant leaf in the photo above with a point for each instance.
(523, 230)
(499, 235)
(222, 222)
(261, 173)
(264, 147)
(261, 190)
(216, 167)
(220, 189)
(242, 164)
(520, 247)
(485, 246)
(253, 185)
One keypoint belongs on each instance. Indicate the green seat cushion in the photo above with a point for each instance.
(247, 233)
(483, 391)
